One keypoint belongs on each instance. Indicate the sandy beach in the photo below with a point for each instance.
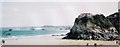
(52, 40)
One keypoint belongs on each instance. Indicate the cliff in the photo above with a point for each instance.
(96, 27)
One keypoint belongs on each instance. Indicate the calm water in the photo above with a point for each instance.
(18, 33)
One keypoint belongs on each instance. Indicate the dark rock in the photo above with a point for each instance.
(96, 27)
(114, 19)
(10, 29)
(3, 41)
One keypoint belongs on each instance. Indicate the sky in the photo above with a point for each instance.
(22, 13)
(119, 5)
(59, 0)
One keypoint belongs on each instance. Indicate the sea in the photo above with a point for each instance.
(19, 33)
(25, 33)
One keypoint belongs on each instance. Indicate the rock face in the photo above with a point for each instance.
(96, 27)
(114, 19)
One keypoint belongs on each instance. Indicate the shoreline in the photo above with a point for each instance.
(53, 40)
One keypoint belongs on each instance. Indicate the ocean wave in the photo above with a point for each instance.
(28, 36)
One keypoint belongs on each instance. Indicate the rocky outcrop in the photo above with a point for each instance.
(114, 19)
(96, 27)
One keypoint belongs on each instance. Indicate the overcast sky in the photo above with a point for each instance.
(50, 13)
(60, 0)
